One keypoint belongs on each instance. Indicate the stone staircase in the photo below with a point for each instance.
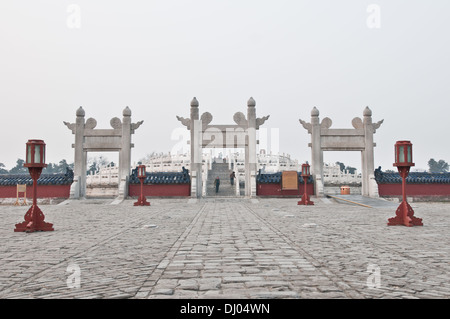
(225, 188)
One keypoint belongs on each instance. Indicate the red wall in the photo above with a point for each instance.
(63, 191)
(43, 191)
(414, 189)
(275, 190)
(160, 190)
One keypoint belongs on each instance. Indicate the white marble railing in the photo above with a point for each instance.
(106, 176)
(332, 174)
(270, 163)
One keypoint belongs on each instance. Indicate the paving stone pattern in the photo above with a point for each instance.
(226, 248)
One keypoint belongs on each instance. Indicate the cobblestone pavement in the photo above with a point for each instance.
(225, 248)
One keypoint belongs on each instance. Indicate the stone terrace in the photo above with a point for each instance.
(225, 248)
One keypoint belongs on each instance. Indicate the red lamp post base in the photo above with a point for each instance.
(142, 201)
(305, 200)
(34, 221)
(405, 216)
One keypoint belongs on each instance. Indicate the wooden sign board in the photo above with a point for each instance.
(289, 180)
(21, 188)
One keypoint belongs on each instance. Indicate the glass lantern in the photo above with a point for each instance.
(305, 169)
(35, 156)
(403, 153)
(141, 171)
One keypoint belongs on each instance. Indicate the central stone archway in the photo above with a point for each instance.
(240, 135)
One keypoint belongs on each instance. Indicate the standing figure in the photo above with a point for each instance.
(232, 177)
(217, 183)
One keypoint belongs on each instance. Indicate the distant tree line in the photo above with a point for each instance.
(52, 168)
(2, 170)
(94, 165)
(434, 166)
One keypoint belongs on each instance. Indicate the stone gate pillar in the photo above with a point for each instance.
(196, 150)
(316, 153)
(369, 185)
(125, 153)
(250, 154)
(78, 187)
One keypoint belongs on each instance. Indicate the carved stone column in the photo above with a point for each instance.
(250, 157)
(196, 150)
(371, 186)
(125, 154)
(316, 152)
(78, 187)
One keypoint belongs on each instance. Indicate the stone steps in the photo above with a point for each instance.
(222, 171)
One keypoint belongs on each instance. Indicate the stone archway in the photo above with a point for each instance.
(360, 138)
(89, 139)
(240, 135)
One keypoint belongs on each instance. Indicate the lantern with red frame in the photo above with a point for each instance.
(35, 161)
(142, 174)
(141, 170)
(306, 170)
(403, 154)
(305, 175)
(403, 162)
(35, 156)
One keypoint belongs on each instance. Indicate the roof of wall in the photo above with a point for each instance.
(413, 178)
(44, 179)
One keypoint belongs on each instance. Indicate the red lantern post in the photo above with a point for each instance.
(305, 174)
(142, 174)
(35, 161)
(403, 161)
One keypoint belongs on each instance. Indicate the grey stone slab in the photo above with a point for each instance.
(162, 291)
(276, 295)
(242, 279)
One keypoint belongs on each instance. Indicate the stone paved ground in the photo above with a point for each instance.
(226, 248)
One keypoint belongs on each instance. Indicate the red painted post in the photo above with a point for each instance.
(305, 174)
(142, 201)
(35, 161)
(403, 161)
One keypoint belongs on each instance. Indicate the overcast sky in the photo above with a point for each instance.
(155, 56)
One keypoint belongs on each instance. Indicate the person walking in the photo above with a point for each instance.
(232, 177)
(217, 183)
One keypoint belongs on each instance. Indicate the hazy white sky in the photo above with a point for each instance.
(154, 56)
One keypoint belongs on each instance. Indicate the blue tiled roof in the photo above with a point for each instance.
(413, 178)
(44, 179)
(162, 177)
(275, 178)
